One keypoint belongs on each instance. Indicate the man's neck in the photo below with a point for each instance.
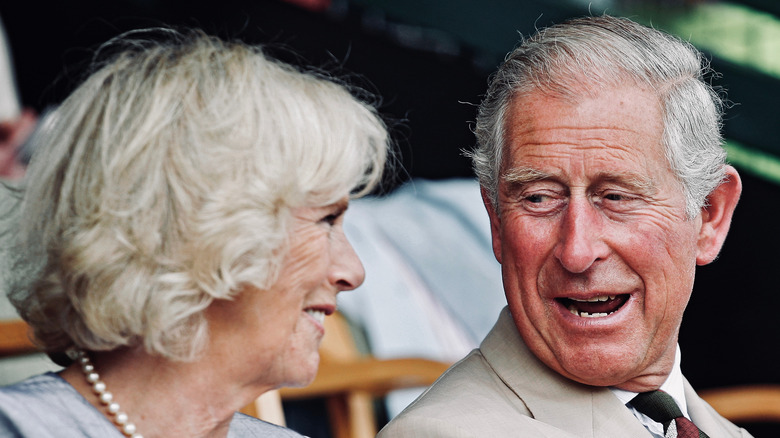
(673, 385)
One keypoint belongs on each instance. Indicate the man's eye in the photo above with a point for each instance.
(542, 203)
(618, 197)
(536, 199)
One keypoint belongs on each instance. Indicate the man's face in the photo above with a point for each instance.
(597, 256)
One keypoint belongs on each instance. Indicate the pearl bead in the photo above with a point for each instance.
(99, 387)
(106, 398)
(121, 418)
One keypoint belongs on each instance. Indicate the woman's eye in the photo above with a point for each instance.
(331, 219)
(332, 214)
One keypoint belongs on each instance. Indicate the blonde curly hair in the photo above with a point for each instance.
(165, 181)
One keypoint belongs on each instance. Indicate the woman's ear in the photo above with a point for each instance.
(716, 217)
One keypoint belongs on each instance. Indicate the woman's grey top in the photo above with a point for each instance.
(46, 406)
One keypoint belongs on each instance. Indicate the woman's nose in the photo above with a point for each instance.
(347, 271)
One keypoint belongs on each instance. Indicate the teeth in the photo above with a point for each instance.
(319, 315)
(574, 311)
(595, 299)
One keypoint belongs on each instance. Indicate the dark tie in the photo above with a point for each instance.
(662, 408)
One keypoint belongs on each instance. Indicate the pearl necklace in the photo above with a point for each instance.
(106, 398)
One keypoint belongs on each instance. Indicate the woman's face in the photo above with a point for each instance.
(271, 337)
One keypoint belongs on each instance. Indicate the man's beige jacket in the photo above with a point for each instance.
(502, 390)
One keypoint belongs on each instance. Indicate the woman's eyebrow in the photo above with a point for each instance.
(339, 207)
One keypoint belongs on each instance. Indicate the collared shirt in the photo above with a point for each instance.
(672, 386)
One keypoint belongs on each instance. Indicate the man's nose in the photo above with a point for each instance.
(346, 272)
(580, 240)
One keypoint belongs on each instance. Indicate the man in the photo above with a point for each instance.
(602, 172)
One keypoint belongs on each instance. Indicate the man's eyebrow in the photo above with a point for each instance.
(524, 175)
(630, 180)
(518, 176)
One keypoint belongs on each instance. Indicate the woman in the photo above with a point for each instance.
(186, 205)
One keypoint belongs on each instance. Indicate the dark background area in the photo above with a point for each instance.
(420, 90)
(428, 88)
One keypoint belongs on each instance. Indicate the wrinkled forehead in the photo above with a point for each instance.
(620, 127)
(572, 82)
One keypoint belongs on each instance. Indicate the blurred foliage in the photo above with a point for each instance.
(733, 32)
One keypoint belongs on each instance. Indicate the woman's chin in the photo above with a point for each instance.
(304, 373)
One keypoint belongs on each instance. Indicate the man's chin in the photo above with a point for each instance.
(612, 372)
(596, 368)
(593, 379)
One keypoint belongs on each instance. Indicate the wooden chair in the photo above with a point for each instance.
(15, 338)
(350, 382)
(746, 404)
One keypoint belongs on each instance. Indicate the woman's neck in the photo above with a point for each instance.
(161, 397)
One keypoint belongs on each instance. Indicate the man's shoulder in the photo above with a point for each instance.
(469, 399)
(244, 426)
(472, 375)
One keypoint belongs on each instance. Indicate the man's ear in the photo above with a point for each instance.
(495, 223)
(716, 217)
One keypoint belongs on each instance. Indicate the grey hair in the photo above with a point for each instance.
(576, 58)
(166, 180)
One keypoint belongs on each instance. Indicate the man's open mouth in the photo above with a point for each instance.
(594, 307)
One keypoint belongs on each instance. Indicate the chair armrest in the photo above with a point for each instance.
(749, 403)
(369, 375)
(15, 338)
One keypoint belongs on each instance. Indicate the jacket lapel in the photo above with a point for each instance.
(581, 410)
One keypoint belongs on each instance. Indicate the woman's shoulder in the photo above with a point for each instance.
(244, 426)
(46, 406)
(40, 387)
